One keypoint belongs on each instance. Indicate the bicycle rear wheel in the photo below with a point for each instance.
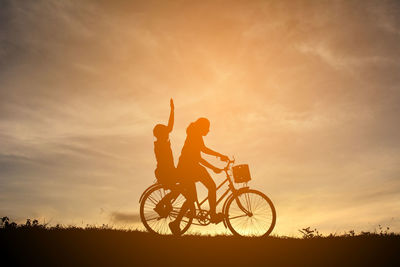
(250, 213)
(156, 223)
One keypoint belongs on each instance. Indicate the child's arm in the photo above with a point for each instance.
(171, 116)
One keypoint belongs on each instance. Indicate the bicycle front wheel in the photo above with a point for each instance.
(250, 213)
(153, 221)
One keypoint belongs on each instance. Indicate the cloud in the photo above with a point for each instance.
(120, 217)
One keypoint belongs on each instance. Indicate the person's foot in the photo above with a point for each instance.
(162, 210)
(217, 218)
(174, 227)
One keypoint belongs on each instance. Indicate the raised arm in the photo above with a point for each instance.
(171, 116)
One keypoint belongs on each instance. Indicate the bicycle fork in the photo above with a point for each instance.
(247, 212)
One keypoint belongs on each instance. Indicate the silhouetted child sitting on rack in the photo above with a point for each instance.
(165, 172)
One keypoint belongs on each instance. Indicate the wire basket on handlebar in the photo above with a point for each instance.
(241, 173)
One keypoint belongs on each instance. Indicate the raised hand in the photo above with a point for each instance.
(171, 103)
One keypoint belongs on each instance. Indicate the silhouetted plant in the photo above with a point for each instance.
(331, 235)
(308, 233)
(366, 233)
(383, 231)
(33, 224)
(106, 226)
(58, 226)
(5, 222)
(351, 233)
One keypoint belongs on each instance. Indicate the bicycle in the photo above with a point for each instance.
(247, 212)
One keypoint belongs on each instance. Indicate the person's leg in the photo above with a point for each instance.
(189, 192)
(175, 187)
(185, 207)
(208, 182)
(166, 201)
(173, 194)
(169, 180)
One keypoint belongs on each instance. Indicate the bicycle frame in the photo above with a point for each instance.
(241, 198)
(231, 188)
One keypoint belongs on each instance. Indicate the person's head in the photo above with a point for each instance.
(161, 132)
(201, 126)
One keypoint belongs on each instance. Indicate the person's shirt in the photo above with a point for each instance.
(191, 151)
(164, 157)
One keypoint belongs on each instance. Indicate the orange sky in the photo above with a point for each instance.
(305, 92)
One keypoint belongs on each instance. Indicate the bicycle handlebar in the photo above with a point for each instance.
(229, 162)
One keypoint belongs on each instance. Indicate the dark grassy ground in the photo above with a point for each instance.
(74, 246)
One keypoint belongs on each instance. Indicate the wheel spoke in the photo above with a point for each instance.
(152, 219)
(239, 216)
(153, 200)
